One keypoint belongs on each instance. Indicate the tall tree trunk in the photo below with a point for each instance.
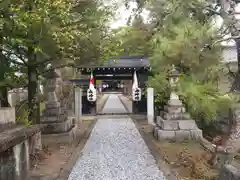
(3, 89)
(4, 99)
(33, 100)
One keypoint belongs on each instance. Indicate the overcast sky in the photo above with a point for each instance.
(122, 15)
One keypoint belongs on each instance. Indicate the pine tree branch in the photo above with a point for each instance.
(225, 39)
(209, 46)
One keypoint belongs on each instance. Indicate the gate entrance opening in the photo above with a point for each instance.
(118, 70)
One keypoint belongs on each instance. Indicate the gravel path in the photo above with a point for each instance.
(115, 150)
(114, 105)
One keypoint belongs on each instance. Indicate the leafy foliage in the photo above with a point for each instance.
(176, 33)
(182, 46)
(180, 42)
(34, 34)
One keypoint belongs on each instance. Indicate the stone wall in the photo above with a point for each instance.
(14, 162)
(16, 145)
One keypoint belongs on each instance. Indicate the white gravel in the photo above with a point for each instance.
(115, 150)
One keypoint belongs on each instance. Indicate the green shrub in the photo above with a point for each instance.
(203, 100)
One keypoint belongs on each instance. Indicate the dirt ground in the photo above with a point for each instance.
(188, 161)
(48, 163)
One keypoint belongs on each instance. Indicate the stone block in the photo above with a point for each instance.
(176, 116)
(54, 112)
(196, 134)
(187, 124)
(166, 135)
(174, 109)
(53, 119)
(182, 135)
(172, 116)
(60, 127)
(169, 124)
(175, 102)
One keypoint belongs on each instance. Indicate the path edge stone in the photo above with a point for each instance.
(124, 104)
(102, 104)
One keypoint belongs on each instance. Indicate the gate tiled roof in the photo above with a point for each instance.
(127, 61)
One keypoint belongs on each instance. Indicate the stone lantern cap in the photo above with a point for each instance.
(173, 72)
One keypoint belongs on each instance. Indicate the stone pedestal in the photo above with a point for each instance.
(175, 124)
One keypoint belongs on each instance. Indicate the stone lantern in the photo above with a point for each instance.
(55, 119)
(174, 123)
